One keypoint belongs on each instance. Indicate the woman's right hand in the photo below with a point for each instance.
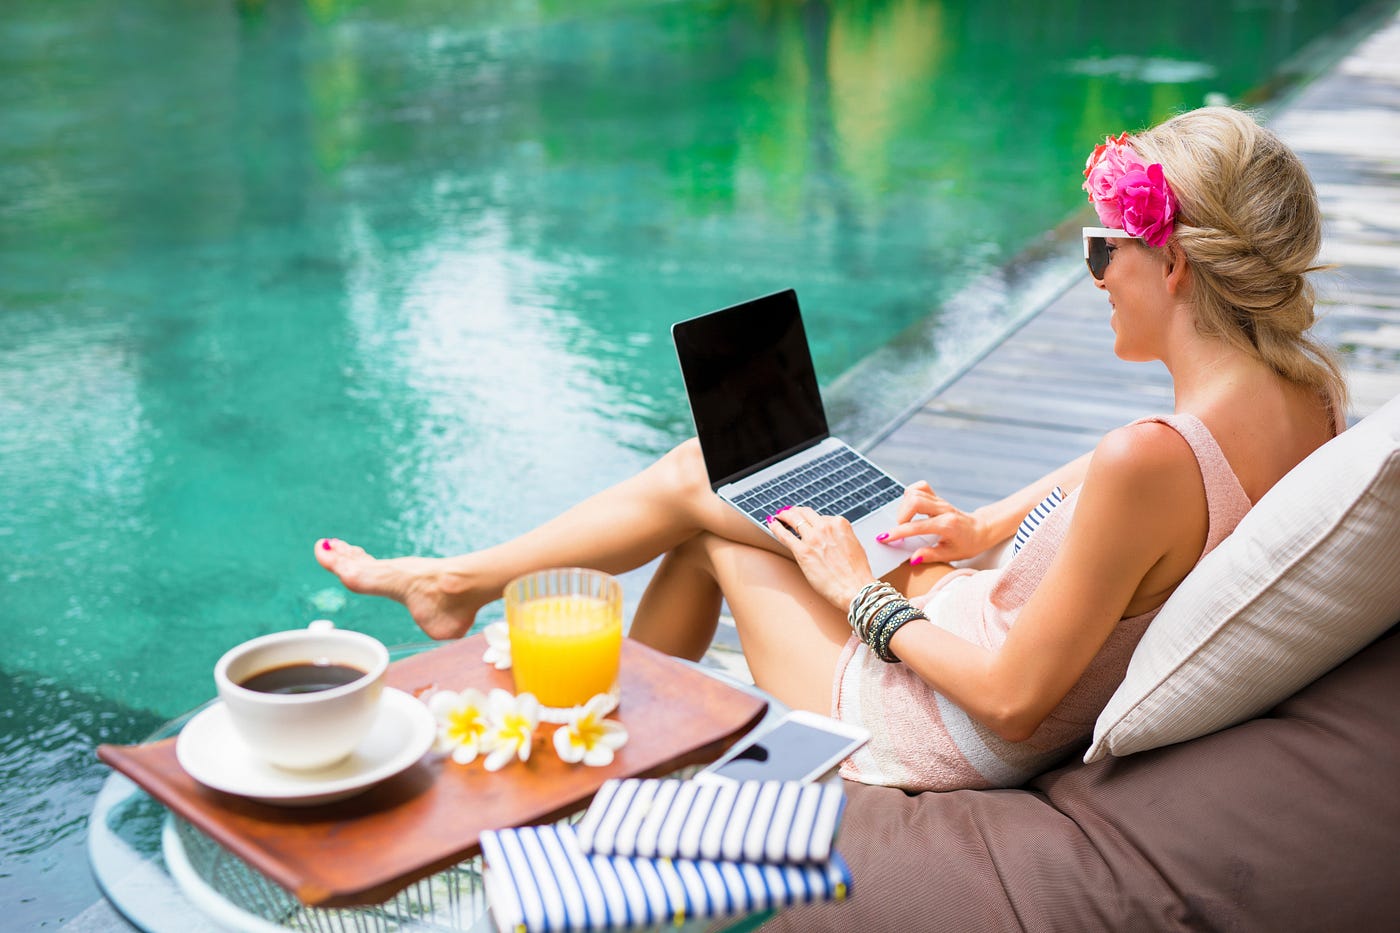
(924, 512)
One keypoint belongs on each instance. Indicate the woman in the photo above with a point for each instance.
(1212, 224)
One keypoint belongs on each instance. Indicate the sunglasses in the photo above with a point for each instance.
(1096, 252)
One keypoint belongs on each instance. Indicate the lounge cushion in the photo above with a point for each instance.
(1286, 822)
(1311, 575)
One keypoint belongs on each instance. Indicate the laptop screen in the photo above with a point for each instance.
(753, 390)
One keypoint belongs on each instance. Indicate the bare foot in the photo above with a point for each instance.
(439, 598)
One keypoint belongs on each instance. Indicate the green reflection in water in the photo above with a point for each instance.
(403, 272)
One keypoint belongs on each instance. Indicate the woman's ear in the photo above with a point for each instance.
(1176, 271)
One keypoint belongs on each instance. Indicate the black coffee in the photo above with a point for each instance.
(302, 678)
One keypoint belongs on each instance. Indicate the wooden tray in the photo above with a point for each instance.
(364, 850)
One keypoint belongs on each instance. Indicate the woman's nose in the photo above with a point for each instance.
(1099, 284)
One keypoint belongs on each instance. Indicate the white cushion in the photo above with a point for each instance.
(1310, 576)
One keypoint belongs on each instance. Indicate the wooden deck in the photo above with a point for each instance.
(1052, 388)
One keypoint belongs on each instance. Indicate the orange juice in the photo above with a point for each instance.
(564, 649)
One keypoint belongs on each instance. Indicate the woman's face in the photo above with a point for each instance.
(1134, 282)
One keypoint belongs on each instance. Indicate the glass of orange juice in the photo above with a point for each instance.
(565, 637)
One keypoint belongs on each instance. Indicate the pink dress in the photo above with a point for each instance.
(920, 740)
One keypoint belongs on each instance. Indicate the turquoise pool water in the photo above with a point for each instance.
(403, 272)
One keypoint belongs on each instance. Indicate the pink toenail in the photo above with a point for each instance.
(325, 544)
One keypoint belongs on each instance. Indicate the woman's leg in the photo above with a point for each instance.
(616, 530)
(916, 581)
(791, 637)
(680, 609)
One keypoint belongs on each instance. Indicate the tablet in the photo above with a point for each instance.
(801, 746)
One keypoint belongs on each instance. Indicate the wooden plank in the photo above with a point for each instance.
(978, 393)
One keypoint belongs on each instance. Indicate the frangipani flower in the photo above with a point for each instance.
(462, 722)
(513, 722)
(497, 645)
(588, 737)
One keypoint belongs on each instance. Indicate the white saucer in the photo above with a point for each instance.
(211, 752)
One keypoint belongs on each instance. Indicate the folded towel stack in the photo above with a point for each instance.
(650, 852)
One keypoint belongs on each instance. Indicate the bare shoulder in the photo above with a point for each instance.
(1270, 433)
(1147, 452)
(1144, 502)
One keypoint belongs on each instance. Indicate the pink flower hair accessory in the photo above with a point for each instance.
(1129, 194)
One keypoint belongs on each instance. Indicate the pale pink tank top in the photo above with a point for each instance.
(922, 741)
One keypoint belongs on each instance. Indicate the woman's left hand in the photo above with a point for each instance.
(826, 550)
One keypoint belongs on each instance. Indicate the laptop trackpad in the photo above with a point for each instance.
(885, 557)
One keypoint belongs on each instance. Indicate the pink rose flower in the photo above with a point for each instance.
(1129, 194)
(1099, 150)
(1146, 204)
(1093, 160)
(1114, 160)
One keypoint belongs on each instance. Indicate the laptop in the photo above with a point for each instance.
(758, 414)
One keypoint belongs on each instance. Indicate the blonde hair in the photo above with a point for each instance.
(1249, 224)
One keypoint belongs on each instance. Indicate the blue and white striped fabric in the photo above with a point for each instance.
(538, 880)
(747, 821)
(1035, 516)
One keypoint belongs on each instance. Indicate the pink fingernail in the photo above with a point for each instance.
(883, 536)
(767, 519)
(784, 509)
(325, 544)
(916, 561)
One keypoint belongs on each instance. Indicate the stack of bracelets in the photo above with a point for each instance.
(877, 612)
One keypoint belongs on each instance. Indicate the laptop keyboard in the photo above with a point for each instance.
(839, 483)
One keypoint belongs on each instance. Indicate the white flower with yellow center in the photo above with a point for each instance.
(462, 722)
(513, 722)
(497, 645)
(588, 737)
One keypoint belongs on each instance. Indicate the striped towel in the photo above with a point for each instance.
(538, 880)
(1035, 516)
(750, 821)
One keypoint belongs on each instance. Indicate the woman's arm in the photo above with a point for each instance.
(1140, 521)
(1139, 525)
(1004, 516)
(966, 534)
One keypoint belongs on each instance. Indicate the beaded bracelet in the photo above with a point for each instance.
(885, 626)
(876, 613)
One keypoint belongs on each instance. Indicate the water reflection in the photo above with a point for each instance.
(49, 777)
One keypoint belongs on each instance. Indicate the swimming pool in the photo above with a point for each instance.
(402, 273)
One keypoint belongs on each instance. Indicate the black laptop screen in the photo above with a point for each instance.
(753, 390)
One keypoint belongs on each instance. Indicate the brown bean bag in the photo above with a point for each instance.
(1288, 822)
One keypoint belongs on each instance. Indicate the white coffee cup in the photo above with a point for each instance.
(303, 731)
